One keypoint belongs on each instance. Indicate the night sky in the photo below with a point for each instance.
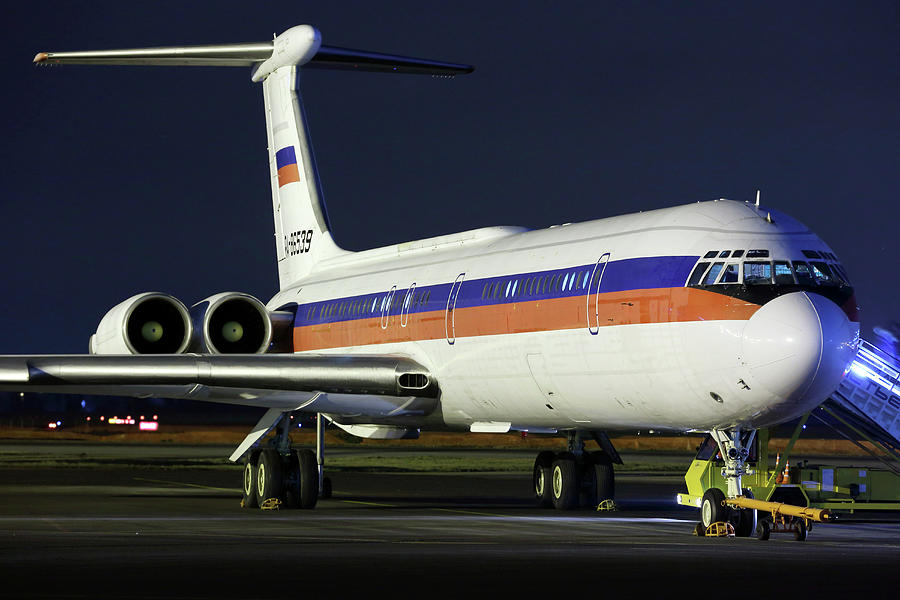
(119, 180)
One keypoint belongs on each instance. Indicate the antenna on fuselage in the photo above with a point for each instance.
(757, 198)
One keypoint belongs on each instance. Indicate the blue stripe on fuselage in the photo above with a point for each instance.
(620, 275)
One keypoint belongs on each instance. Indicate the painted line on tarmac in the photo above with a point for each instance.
(472, 512)
(182, 484)
(368, 503)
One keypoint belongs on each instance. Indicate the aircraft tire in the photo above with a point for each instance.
(565, 482)
(541, 479)
(712, 508)
(292, 481)
(269, 482)
(309, 478)
(249, 498)
(604, 476)
(745, 518)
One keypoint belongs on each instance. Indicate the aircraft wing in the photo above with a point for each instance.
(365, 386)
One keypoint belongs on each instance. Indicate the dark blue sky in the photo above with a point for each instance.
(120, 180)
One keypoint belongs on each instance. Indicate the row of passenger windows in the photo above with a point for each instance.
(536, 285)
(779, 272)
(370, 305)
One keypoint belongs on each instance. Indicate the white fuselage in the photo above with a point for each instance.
(590, 325)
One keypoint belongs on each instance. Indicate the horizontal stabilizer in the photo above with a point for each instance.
(223, 55)
(254, 54)
(330, 57)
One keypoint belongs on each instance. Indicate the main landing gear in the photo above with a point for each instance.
(573, 479)
(284, 474)
(734, 446)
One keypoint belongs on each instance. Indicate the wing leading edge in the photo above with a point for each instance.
(341, 384)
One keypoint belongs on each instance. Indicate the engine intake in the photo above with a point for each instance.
(231, 323)
(148, 323)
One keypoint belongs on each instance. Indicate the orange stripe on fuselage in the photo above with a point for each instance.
(664, 305)
(288, 174)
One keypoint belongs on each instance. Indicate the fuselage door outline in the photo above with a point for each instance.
(450, 315)
(386, 308)
(593, 295)
(407, 303)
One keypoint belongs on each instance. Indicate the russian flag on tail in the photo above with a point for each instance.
(286, 161)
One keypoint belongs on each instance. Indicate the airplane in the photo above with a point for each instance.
(718, 316)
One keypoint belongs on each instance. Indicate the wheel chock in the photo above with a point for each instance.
(271, 504)
(608, 505)
(719, 529)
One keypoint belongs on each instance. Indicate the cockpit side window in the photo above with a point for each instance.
(783, 274)
(730, 274)
(837, 275)
(757, 273)
(804, 275)
(698, 272)
(822, 273)
(713, 273)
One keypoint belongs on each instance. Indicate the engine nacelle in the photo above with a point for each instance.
(231, 323)
(148, 323)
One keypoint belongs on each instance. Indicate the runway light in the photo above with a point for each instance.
(102, 418)
(155, 417)
(149, 425)
(51, 425)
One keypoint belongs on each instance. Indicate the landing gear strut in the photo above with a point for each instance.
(734, 447)
(572, 479)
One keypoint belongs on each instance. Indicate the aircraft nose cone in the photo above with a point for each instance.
(797, 347)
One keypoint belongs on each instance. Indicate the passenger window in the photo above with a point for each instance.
(515, 286)
(731, 273)
(804, 275)
(572, 281)
(699, 270)
(783, 274)
(565, 282)
(737, 254)
(757, 273)
(713, 273)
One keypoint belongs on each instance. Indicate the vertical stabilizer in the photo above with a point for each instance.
(302, 231)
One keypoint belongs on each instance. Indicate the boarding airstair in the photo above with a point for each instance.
(866, 405)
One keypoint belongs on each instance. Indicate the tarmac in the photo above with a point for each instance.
(148, 532)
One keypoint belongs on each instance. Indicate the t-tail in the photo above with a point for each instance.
(302, 231)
